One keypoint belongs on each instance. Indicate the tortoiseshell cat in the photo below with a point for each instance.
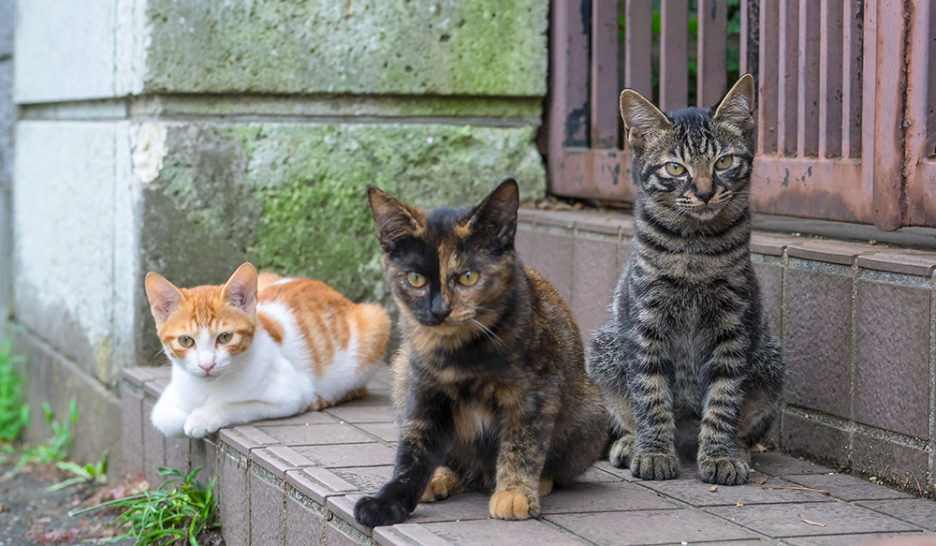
(490, 376)
(687, 341)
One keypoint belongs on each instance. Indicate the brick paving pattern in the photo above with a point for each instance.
(295, 481)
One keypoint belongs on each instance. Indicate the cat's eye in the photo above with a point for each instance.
(415, 279)
(724, 161)
(186, 341)
(469, 278)
(224, 337)
(675, 169)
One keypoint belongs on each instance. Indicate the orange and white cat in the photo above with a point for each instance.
(260, 347)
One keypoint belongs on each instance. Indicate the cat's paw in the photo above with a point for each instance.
(443, 483)
(723, 470)
(514, 504)
(655, 466)
(203, 422)
(374, 511)
(621, 452)
(168, 420)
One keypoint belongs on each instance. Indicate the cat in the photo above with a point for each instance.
(687, 341)
(260, 347)
(490, 375)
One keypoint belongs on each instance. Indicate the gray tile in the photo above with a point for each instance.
(298, 435)
(778, 464)
(388, 432)
(848, 487)
(649, 527)
(698, 493)
(362, 414)
(920, 512)
(783, 520)
(303, 524)
(368, 478)
(494, 531)
(343, 455)
(867, 539)
(602, 497)
(267, 510)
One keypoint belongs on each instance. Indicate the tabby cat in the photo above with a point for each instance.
(260, 347)
(490, 376)
(687, 342)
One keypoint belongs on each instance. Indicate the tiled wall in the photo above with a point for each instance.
(857, 323)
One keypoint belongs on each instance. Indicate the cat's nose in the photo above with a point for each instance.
(440, 309)
(704, 189)
(207, 367)
(705, 195)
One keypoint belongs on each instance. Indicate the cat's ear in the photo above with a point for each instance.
(241, 289)
(393, 219)
(641, 118)
(736, 109)
(163, 296)
(496, 216)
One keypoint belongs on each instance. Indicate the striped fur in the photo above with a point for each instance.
(241, 354)
(687, 341)
(490, 378)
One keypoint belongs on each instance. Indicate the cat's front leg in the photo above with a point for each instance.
(209, 419)
(424, 437)
(719, 459)
(168, 416)
(524, 442)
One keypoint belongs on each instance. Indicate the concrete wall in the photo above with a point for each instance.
(186, 137)
(7, 117)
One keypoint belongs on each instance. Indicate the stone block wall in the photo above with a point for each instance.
(7, 117)
(186, 137)
(857, 323)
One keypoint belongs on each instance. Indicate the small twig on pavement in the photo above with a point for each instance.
(810, 522)
(796, 488)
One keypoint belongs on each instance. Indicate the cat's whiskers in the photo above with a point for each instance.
(497, 340)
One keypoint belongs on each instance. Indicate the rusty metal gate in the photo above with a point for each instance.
(846, 116)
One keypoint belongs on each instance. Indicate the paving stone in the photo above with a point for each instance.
(407, 534)
(848, 488)
(818, 338)
(303, 419)
(649, 527)
(177, 454)
(131, 437)
(867, 539)
(343, 507)
(899, 463)
(204, 455)
(829, 251)
(388, 432)
(267, 510)
(154, 447)
(337, 533)
(622, 473)
(920, 512)
(593, 278)
(595, 475)
(362, 414)
(246, 437)
(303, 524)
(466, 506)
(778, 464)
(297, 435)
(493, 531)
(342, 455)
(770, 279)
(910, 262)
(698, 493)
(368, 479)
(318, 483)
(781, 520)
(233, 498)
(810, 436)
(279, 459)
(602, 497)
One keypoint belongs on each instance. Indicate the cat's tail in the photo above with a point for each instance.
(373, 330)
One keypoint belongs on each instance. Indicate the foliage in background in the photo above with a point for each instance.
(733, 40)
(14, 412)
(178, 510)
(55, 448)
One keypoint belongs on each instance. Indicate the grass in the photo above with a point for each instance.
(93, 473)
(55, 448)
(14, 412)
(178, 510)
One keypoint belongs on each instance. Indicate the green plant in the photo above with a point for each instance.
(89, 473)
(55, 448)
(178, 510)
(14, 412)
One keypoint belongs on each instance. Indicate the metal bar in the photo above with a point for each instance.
(882, 111)
(603, 88)
(767, 80)
(567, 125)
(807, 111)
(638, 46)
(810, 188)
(711, 80)
(852, 23)
(830, 79)
(674, 54)
(788, 60)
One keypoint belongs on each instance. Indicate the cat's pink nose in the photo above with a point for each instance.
(207, 367)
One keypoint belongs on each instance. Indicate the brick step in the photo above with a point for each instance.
(295, 481)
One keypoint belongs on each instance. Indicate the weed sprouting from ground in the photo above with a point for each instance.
(178, 510)
(55, 448)
(91, 473)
